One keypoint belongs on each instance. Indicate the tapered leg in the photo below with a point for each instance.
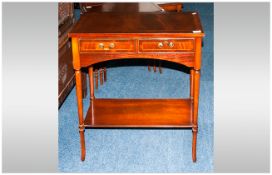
(191, 83)
(160, 68)
(154, 66)
(194, 144)
(82, 143)
(91, 83)
(80, 112)
(96, 78)
(196, 80)
(92, 97)
(101, 71)
(105, 74)
(84, 84)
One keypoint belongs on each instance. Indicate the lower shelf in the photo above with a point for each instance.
(174, 113)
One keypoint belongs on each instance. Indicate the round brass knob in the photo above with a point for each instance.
(171, 44)
(160, 44)
(112, 45)
(101, 45)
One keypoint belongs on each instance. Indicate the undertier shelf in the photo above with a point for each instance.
(149, 113)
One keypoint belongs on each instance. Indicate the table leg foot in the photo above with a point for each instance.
(82, 143)
(194, 144)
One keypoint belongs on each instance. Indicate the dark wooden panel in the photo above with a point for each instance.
(145, 22)
(140, 113)
(65, 72)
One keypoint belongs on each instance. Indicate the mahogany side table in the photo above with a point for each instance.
(174, 37)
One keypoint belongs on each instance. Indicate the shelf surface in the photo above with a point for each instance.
(139, 113)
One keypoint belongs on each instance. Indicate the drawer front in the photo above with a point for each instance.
(167, 45)
(106, 45)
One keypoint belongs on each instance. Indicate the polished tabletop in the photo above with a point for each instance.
(138, 22)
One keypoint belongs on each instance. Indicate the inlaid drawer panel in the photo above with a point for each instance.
(166, 45)
(106, 45)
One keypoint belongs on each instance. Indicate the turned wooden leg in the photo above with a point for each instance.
(101, 76)
(84, 84)
(96, 78)
(92, 97)
(149, 69)
(160, 68)
(191, 83)
(105, 74)
(80, 112)
(91, 84)
(154, 66)
(196, 81)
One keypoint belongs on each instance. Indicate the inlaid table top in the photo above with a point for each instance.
(139, 22)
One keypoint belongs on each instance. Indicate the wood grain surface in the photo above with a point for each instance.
(139, 113)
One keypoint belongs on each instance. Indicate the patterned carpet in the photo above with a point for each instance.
(144, 150)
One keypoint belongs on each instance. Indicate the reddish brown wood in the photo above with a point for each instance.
(186, 59)
(80, 112)
(137, 36)
(84, 84)
(121, 8)
(191, 83)
(101, 76)
(105, 73)
(82, 142)
(96, 78)
(107, 45)
(91, 82)
(175, 7)
(113, 22)
(76, 57)
(194, 144)
(160, 68)
(140, 113)
(149, 69)
(166, 45)
(198, 42)
(196, 82)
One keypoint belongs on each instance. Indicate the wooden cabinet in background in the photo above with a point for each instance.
(66, 73)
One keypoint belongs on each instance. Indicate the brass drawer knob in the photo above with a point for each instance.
(171, 44)
(112, 45)
(160, 44)
(101, 45)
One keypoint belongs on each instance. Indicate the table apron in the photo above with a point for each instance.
(88, 59)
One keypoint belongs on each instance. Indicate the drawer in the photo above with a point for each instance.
(166, 45)
(106, 45)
